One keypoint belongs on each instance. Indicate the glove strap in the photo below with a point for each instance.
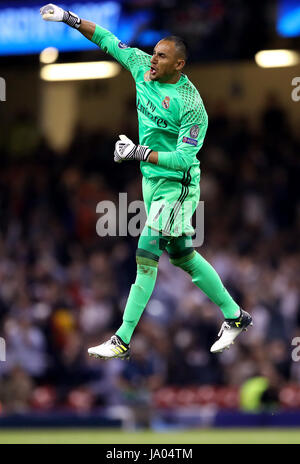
(142, 153)
(71, 19)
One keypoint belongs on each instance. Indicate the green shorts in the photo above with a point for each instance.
(170, 206)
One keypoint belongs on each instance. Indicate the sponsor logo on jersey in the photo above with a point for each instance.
(190, 141)
(166, 102)
(122, 45)
(160, 122)
(194, 131)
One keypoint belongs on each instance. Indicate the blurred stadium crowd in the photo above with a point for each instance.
(63, 288)
(214, 29)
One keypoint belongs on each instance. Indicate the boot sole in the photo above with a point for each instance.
(126, 357)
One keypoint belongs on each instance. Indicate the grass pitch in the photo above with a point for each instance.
(194, 436)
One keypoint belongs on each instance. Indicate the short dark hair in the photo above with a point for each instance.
(180, 45)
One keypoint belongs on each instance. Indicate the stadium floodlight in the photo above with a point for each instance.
(277, 58)
(48, 55)
(79, 71)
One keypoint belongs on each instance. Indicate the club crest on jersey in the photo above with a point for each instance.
(122, 45)
(166, 103)
(194, 131)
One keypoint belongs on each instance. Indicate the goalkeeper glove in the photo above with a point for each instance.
(125, 149)
(52, 12)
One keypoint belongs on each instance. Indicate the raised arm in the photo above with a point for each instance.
(132, 59)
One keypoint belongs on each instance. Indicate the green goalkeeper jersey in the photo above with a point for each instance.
(172, 118)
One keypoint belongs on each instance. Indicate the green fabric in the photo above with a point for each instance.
(180, 247)
(139, 295)
(206, 278)
(140, 253)
(170, 206)
(146, 261)
(150, 247)
(172, 118)
(151, 244)
(183, 259)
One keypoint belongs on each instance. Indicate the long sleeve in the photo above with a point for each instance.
(133, 59)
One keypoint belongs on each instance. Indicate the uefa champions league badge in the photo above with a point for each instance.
(194, 132)
(190, 141)
(122, 45)
(166, 103)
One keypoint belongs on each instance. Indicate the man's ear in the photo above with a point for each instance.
(180, 65)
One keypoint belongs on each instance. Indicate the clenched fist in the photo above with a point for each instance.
(53, 12)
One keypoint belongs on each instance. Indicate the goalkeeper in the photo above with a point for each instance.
(172, 126)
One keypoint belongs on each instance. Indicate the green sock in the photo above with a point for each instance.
(139, 295)
(206, 278)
